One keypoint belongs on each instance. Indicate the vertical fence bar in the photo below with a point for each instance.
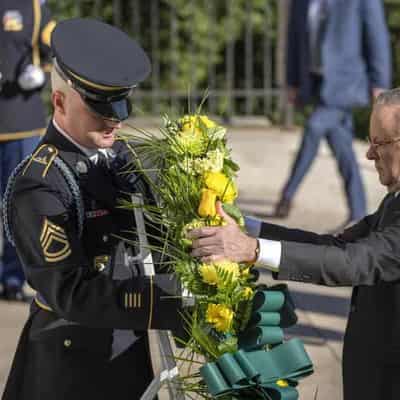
(97, 8)
(155, 42)
(135, 19)
(285, 109)
(249, 57)
(229, 68)
(117, 13)
(173, 44)
(78, 8)
(192, 100)
(135, 28)
(267, 59)
(212, 81)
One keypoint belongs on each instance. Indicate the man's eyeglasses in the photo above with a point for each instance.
(376, 145)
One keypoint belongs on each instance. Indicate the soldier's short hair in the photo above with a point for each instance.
(57, 82)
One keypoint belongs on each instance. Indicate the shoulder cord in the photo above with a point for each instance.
(72, 185)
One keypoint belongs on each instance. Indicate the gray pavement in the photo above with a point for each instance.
(265, 155)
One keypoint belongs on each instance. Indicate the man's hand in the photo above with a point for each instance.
(227, 242)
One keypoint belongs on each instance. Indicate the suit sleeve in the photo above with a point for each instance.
(281, 233)
(366, 260)
(55, 264)
(376, 44)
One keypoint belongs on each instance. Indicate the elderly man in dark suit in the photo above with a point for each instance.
(365, 256)
(338, 55)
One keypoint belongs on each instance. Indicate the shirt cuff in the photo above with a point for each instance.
(269, 255)
(253, 226)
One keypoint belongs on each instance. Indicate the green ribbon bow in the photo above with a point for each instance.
(253, 372)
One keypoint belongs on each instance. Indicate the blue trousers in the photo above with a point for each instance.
(336, 125)
(11, 154)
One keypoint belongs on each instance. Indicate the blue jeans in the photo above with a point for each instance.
(337, 126)
(11, 154)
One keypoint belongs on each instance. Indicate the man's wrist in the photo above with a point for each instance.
(254, 250)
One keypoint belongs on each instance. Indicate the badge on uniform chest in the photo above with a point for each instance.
(13, 21)
(97, 213)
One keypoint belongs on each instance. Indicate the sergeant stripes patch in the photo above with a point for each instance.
(54, 242)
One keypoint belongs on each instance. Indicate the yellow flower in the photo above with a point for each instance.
(228, 267)
(224, 187)
(217, 220)
(220, 316)
(282, 383)
(213, 161)
(247, 293)
(207, 203)
(190, 138)
(195, 223)
(209, 273)
(245, 272)
(207, 121)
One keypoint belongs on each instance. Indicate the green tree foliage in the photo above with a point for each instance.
(190, 37)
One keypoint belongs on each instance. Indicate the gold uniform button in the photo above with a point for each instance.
(67, 343)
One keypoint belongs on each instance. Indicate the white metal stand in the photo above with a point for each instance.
(169, 372)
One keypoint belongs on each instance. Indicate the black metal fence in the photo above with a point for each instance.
(239, 75)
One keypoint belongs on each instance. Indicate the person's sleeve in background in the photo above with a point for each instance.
(376, 44)
(292, 56)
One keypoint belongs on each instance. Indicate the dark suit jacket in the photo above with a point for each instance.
(355, 52)
(367, 257)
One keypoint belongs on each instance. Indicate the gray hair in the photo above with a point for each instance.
(388, 98)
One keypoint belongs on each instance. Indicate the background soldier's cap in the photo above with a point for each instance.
(102, 63)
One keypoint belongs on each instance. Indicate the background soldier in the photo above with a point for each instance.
(25, 40)
(86, 334)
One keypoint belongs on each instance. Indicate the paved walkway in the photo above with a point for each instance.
(265, 155)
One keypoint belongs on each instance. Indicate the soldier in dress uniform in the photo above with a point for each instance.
(25, 33)
(86, 334)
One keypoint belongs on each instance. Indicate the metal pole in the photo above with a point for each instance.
(285, 109)
(169, 373)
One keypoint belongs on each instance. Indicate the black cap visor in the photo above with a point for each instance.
(118, 110)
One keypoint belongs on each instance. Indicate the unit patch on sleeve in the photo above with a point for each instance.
(54, 242)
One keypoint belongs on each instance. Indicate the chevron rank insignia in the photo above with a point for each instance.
(54, 242)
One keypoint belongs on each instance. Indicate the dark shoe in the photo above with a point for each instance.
(282, 209)
(14, 293)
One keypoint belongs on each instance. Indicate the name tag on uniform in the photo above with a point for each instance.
(97, 213)
(13, 21)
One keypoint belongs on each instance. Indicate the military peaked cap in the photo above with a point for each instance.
(102, 63)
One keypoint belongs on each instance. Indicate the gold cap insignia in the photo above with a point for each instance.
(54, 242)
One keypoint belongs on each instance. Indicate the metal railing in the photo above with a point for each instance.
(240, 82)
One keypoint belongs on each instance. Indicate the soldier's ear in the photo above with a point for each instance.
(58, 99)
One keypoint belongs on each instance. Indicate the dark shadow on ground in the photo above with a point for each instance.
(324, 304)
(311, 335)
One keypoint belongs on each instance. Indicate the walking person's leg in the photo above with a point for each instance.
(340, 141)
(316, 128)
